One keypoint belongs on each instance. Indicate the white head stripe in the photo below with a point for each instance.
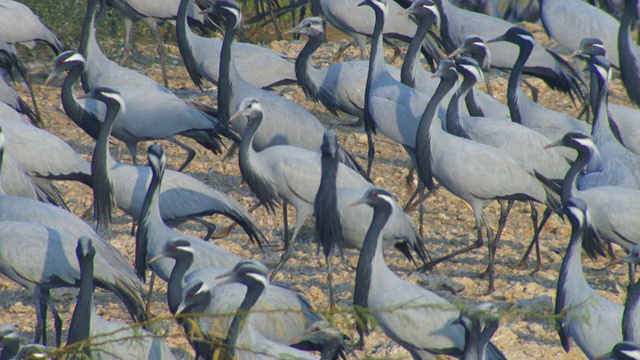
(185, 248)
(1, 140)
(118, 98)
(259, 278)
(529, 38)
(234, 11)
(474, 70)
(76, 57)
(577, 213)
(598, 45)
(634, 354)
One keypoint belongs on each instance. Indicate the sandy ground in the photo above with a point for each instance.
(524, 297)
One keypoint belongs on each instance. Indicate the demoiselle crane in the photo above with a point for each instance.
(419, 320)
(102, 339)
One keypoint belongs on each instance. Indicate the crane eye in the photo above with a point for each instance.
(190, 296)
(469, 43)
(244, 273)
(569, 137)
(308, 25)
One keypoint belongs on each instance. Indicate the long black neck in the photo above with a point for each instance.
(472, 340)
(88, 30)
(376, 65)
(423, 140)
(253, 294)
(304, 66)
(490, 328)
(449, 44)
(80, 326)
(571, 281)
(331, 349)
(570, 182)
(454, 115)
(412, 57)
(513, 95)
(182, 27)
(149, 214)
(174, 286)
(225, 89)
(328, 227)
(472, 106)
(370, 248)
(103, 188)
(85, 120)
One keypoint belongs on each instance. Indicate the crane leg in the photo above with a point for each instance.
(57, 321)
(332, 291)
(147, 309)
(190, 153)
(163, 61)
(476, 245)
(409, 207)
(288, 247)
(226, 231)
(41, 316)
(128, 24)
(371, 152)
(133, 151)
(535, 240)
(493, 243)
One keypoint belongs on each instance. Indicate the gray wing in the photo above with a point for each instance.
(15, 181)
(245, 57)
(570, 21)
(120, 341)
(14, 208)
(415, 317)
(42, 256)
(626, 121)
(41, 153)
(397, 110)
(19, 24)
(610, 210)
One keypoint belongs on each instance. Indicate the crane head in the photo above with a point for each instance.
(249, 107)
(375, 196)
(590, 47)
(420, 9)
(193, 294)
(446, 69)
(472, 45)
(329, 145)
(311, 27)
(600, 66)
(622, 350)
(64, 62)
(108, 96)
(157, 159)
(247, 272)
(515, 35)
(8, 334)
(229, 10)
(173, 249)
(469, 67)
(633, 257)
(85, 248)
(381, 5)
(576, 211)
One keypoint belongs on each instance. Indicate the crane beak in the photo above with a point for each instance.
(295, 30)
(363, 3)
(357, 202)
(455, 54)
(225, 278)
(156, 258)
(553, 144)
(181, 308)
(50, 77)
(499, 38)
(575, 53)
(628, 259)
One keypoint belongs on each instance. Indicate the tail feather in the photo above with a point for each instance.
(48, 192)
(493, 353)
(348, 159)
(571, 82)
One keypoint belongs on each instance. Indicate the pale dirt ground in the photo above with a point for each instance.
(524, 297)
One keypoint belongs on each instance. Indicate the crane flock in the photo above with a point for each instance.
(223, 290)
